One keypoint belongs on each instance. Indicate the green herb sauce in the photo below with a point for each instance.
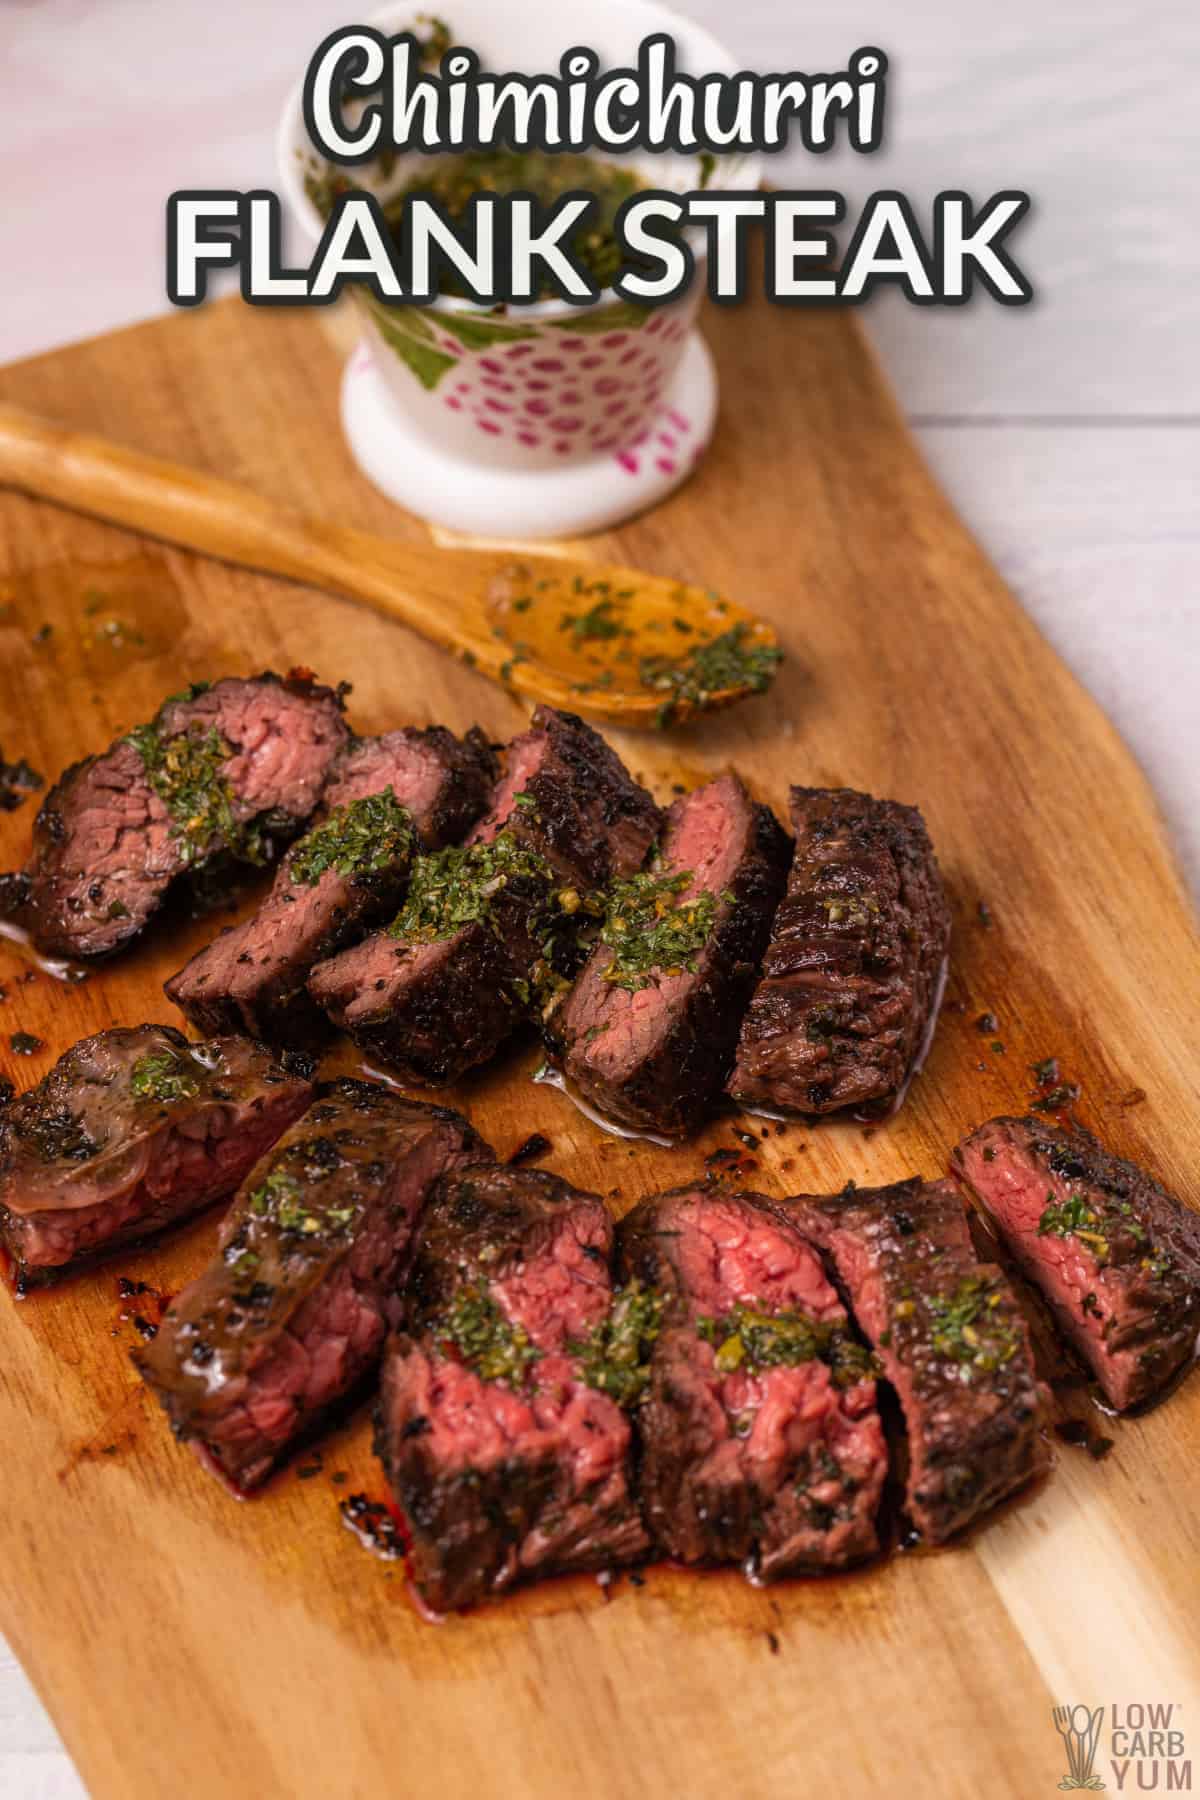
(455, 180)
(752, 1339)
(164, 1076)
(615, 1358)
(651, 931)
(485, 1339)
(1073, 1217)
(187, 774)
(723, 662)
(968, 1328)
(361, 839)
(298, 1207)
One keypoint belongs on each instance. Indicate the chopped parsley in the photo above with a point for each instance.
(165, 1076)
(616, 1355)
(297, 1207)
(485, 1339)
(723, 663)
(187, 773)
(651, 931)
(363, 838)
(968, 1328)
(596, 622)
(751, 1339)
(459, 886)
(1073, 1217)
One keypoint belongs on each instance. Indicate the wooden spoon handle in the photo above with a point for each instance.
(217, 518)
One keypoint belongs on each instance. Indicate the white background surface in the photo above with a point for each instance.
(1068, 432)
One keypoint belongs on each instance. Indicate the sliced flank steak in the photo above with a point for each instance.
(222, 772)
(950, 1337)
(762, 1444)
(385, 799)
(1116, 1255)
(503, 1422)
(486, 929)
(132, 1131)
(648, 1032)
(291, 1316)
(852, 978)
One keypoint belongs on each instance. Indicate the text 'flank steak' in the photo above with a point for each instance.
(852, 977)
(950, 1338)
(762, 1442)
(131, 1131)
(502, 1422)
(1116, 1256)
(227, 771)
(292, 1314)
(648, 1031)
(487, 928)
(385, 799)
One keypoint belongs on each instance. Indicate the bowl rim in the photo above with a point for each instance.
(291, 141)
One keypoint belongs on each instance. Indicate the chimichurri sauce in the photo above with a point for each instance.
(454, 180)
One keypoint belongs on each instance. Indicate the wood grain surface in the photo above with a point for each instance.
(255, 1648)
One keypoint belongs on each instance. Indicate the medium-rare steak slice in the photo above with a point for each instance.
(1117, 1257)
(384, 798)
(852, 978)
(292, 1315)
(950, 1337)
(486, 928)
(502, 1422)
(222, 771)
(650, 1027)
(762, 1442)
(129, 1132)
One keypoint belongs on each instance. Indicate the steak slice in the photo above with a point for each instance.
(852, 978)
(470, 954)
(650, 1027)
(762, 1441)
(292, 1314)
(129, 1132)
(1116, 1256)
(500, 1422)
(383, 797)
(950, 1337)
(220, 772)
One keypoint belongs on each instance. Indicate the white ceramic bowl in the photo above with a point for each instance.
(550, 418)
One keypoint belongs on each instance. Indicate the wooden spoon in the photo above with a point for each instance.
(620, 645)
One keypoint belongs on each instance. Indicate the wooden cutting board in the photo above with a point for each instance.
(181, 1638)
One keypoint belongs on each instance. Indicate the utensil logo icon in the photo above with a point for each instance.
(1079, 1729)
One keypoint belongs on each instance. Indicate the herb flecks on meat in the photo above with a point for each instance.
(615, 1358)
(968, 1327)
(161, 1075)
(750, 1339)
(359, 840)
(495, 1348)
(652, 931)
(187, 774)
(295, 1206)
